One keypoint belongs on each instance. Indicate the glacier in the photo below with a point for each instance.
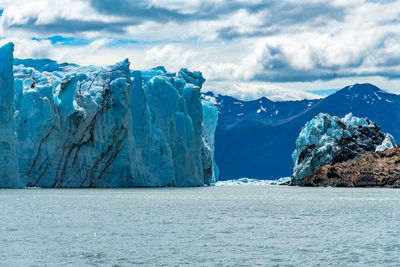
(9, 175)
(330, 139)
(65, 125)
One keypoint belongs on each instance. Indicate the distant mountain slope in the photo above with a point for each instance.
(256, 138)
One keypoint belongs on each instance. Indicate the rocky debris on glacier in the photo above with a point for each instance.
(376, 169)
(89, 126)
(329, 139)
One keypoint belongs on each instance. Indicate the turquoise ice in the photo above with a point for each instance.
(9, 176)
(90, 126)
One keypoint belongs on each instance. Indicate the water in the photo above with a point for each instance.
(209, 226)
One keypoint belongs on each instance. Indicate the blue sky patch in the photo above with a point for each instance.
(67, 41)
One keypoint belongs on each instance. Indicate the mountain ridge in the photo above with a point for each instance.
(256, 138)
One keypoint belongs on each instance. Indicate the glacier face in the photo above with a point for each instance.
(9, 175)
(330, 139)
(89, 126)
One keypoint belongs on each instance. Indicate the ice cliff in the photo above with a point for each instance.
(88, 126)
(329, 139)
(9, 176)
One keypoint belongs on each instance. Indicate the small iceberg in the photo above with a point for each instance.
(251, 181)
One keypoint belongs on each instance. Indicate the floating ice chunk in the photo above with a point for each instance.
(251, 181)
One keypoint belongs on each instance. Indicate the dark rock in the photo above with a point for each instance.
(376, 169)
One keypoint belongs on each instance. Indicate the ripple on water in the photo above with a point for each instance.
(218, 226)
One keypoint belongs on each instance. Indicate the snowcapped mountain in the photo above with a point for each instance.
(234, 112)
(256, 138)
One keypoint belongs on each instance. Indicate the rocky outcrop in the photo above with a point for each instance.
(330, 139)
(376, 169)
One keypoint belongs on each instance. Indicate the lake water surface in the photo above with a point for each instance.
(208, 226)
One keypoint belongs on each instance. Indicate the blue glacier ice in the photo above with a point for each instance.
(90, 126)
(9, 175)
(330, 139)
(210, 115)
(387, 143)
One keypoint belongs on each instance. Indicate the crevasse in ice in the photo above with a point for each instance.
(89, 126)
(330, 139)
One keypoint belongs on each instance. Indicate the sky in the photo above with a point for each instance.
(244, 48)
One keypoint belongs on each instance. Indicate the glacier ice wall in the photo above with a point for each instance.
(330, 139)
(210, 114)
(89, 126)
(9, 176)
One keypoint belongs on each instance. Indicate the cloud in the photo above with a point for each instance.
(280, 16)
(62, 26)
(43, 17)
(137, 10)
(355, 47)
(174, 55)
(173, 10)
(34, 48)
(94, 15)
(253, 44)
(255, 90)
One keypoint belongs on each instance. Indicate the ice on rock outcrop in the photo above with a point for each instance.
(88, 126)
(329, 139)
(387, 143)
(9, 176)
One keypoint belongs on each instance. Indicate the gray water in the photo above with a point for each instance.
(209, 226)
